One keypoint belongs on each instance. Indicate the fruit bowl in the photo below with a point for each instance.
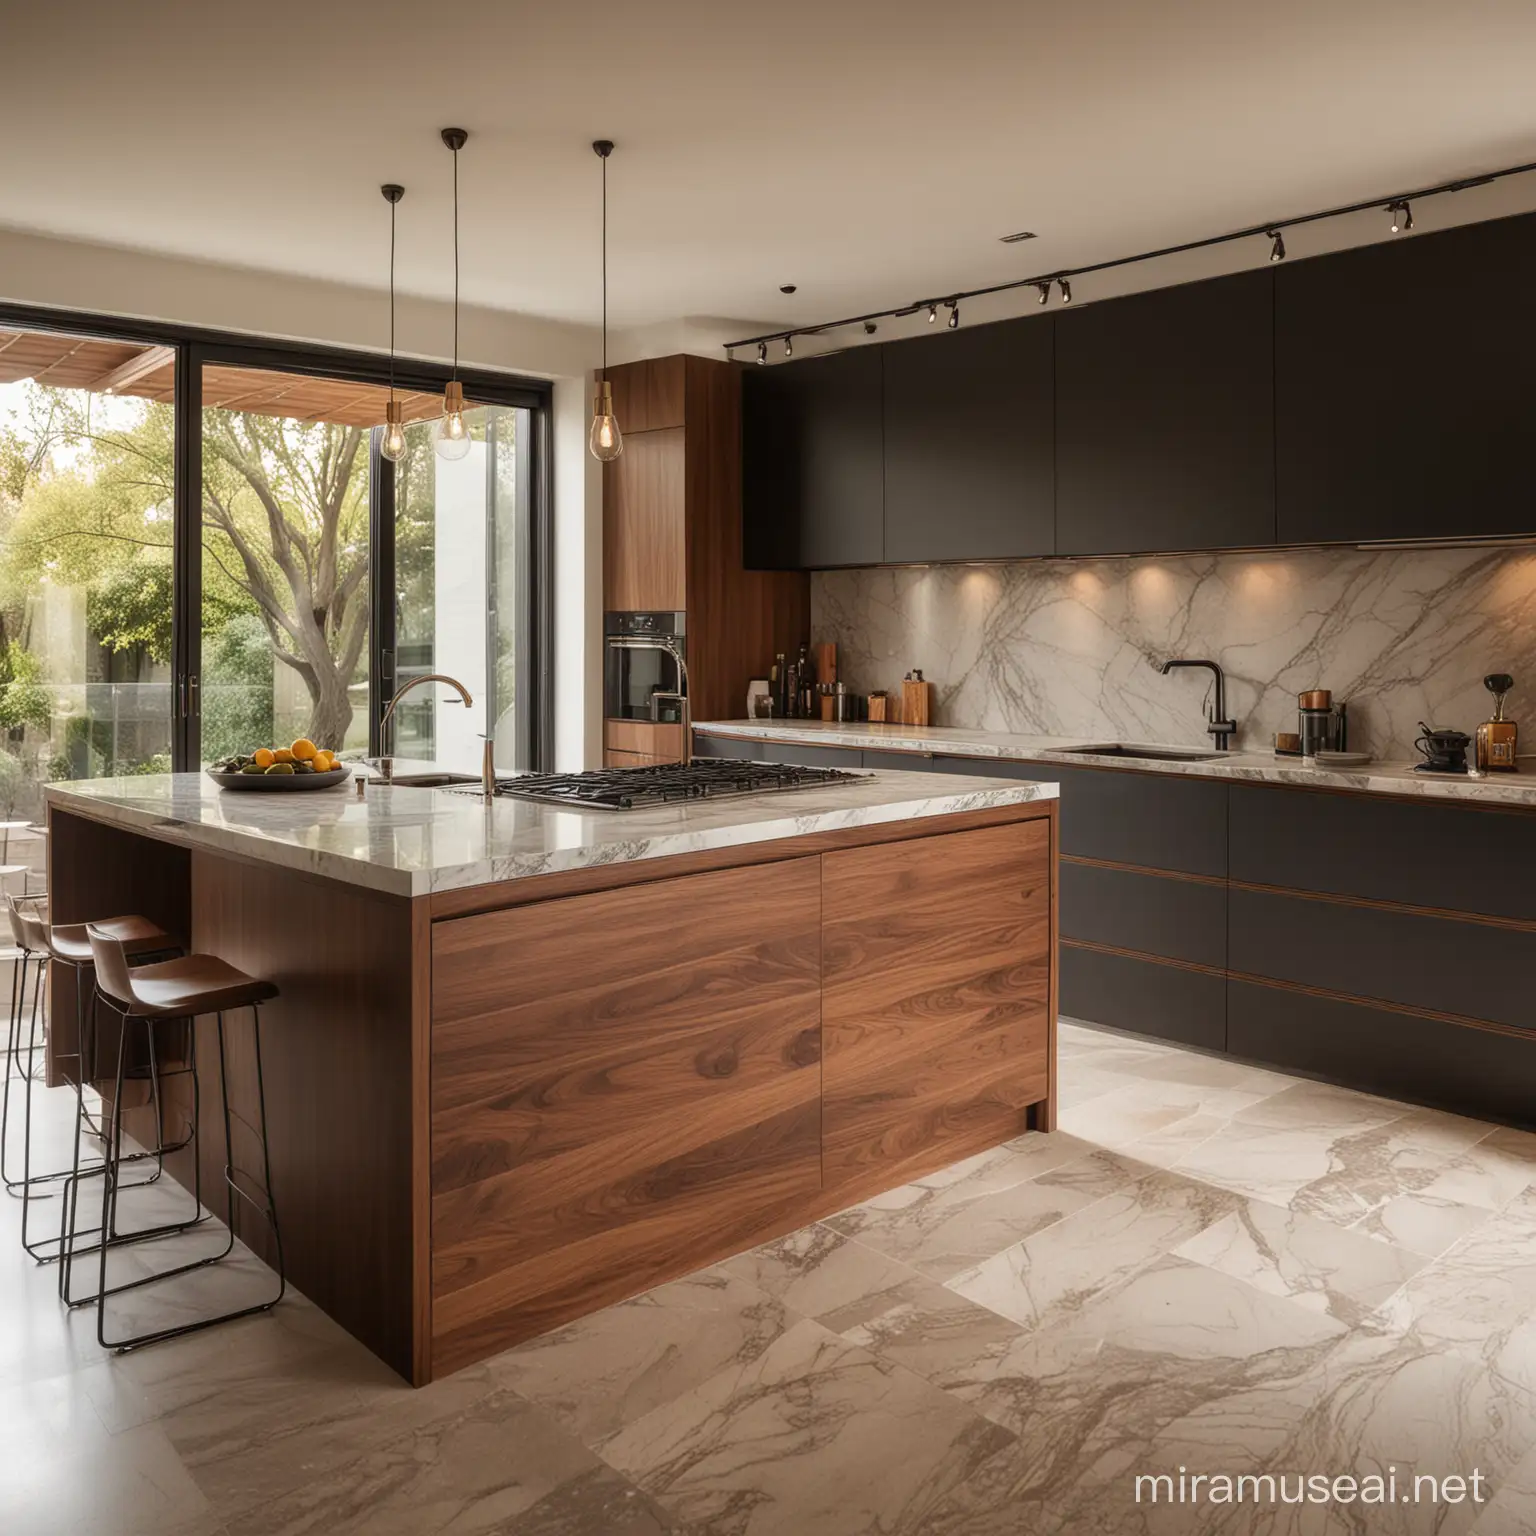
(282, 783)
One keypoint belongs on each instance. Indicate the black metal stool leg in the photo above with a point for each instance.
(266, 1207)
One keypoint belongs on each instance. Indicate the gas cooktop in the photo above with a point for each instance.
(632, 789)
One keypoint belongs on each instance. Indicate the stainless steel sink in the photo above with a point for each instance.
(1149, 754)
(426, 780)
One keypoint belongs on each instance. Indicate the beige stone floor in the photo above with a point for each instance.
(1208, 1266)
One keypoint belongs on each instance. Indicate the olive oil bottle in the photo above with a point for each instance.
(1498, 739)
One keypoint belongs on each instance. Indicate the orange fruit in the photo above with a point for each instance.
(322, 762)
(264, 757)
(283, 755)
(304, 750)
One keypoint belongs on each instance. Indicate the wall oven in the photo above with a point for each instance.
(642, 684)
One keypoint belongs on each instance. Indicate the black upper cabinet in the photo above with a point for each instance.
(1402, 383)
(969, 457)
(1165, 420)
(813, 481)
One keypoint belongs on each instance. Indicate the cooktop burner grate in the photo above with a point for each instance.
(630, 789)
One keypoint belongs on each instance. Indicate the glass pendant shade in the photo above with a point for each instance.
(450, 437)
(605, 440)
(393, 444)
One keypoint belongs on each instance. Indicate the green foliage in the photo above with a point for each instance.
(129, 607)
(237, 688)
(24, 700)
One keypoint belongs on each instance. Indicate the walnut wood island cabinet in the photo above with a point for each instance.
(529, 1061)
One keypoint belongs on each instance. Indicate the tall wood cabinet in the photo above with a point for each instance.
(672, 541)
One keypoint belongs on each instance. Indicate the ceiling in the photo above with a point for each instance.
(871, 153)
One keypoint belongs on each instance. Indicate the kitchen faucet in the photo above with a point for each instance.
(1218, 725)
(661, 643)
(387, 735)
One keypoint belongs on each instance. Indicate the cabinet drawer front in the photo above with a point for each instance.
(1470, 1071)
(907, 762)
(616, 1078)
(1469, 968)
(727, 746)
(1160, 821)
(1456, 857)
(1167, 1001)
(1157, 914)
(935, 1000)
(846, 758)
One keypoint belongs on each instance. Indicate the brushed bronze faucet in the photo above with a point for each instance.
(386, 734)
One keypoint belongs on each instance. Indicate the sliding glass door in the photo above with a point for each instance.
(462, 591)
(202, 551)
(88, 485)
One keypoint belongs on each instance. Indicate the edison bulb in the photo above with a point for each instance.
(605, 439)
(392, 444)
(450, 437)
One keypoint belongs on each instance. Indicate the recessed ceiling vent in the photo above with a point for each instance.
(1023, 234)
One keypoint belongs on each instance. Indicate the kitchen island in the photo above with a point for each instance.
(529, 1060)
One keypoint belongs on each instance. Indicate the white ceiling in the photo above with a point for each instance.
(870, 152)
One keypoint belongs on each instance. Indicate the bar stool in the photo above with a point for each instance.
(172, 991)
(67, 944)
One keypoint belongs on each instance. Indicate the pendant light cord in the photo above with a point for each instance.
(605, 267)
(392, 208)
(455, 264)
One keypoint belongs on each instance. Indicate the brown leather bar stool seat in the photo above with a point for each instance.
(172, 991)
(68, 944)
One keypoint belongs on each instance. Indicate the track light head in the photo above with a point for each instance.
(870, 327)
(789, 347)
(1065, 284)
(1277, 250)
(1402, 216)
(762, 352)
(933, 313)
(954, 314)
(1044, 292)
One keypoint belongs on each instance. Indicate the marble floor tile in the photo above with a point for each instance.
(817, 1270)
(1512, 1509)
(946, 1230)
(1422, 1223)
(1047, 1276)
(1146, 1107)
(132, 1484)
(473, 1471)
(595, 1503)
(814, 1435)
(603, 1372)
(1179, 1353)
(1166, 1148)
(1321, 1106)
(1288, 1253)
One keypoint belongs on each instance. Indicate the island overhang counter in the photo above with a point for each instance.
(527, 1061)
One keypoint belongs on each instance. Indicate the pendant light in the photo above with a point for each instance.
(606, 441)
(393, 444)
(450, 437)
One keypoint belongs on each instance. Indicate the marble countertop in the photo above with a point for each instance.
(1381, 778)
(411, 841)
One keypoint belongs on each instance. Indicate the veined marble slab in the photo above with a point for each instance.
(1380, 778)
(410, 841)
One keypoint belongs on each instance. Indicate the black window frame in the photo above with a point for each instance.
(195, 346)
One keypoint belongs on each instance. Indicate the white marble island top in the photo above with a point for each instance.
(1378, 778)
(411, 841)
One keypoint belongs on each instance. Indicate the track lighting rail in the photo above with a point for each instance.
(1273, 230)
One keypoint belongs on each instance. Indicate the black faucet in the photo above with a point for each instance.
(1218, 725)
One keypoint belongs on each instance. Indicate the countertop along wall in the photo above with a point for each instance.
(1071, 648)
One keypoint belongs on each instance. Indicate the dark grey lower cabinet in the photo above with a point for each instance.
(728, 746)
(1399, 1055)
(1169, 1001)
(1155, 914)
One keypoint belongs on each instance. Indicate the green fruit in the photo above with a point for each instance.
(252, 768)
(280, 768)
(303, 767)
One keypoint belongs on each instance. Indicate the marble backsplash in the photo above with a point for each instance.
(1072, 648)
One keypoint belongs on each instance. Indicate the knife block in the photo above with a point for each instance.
(916, 702)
